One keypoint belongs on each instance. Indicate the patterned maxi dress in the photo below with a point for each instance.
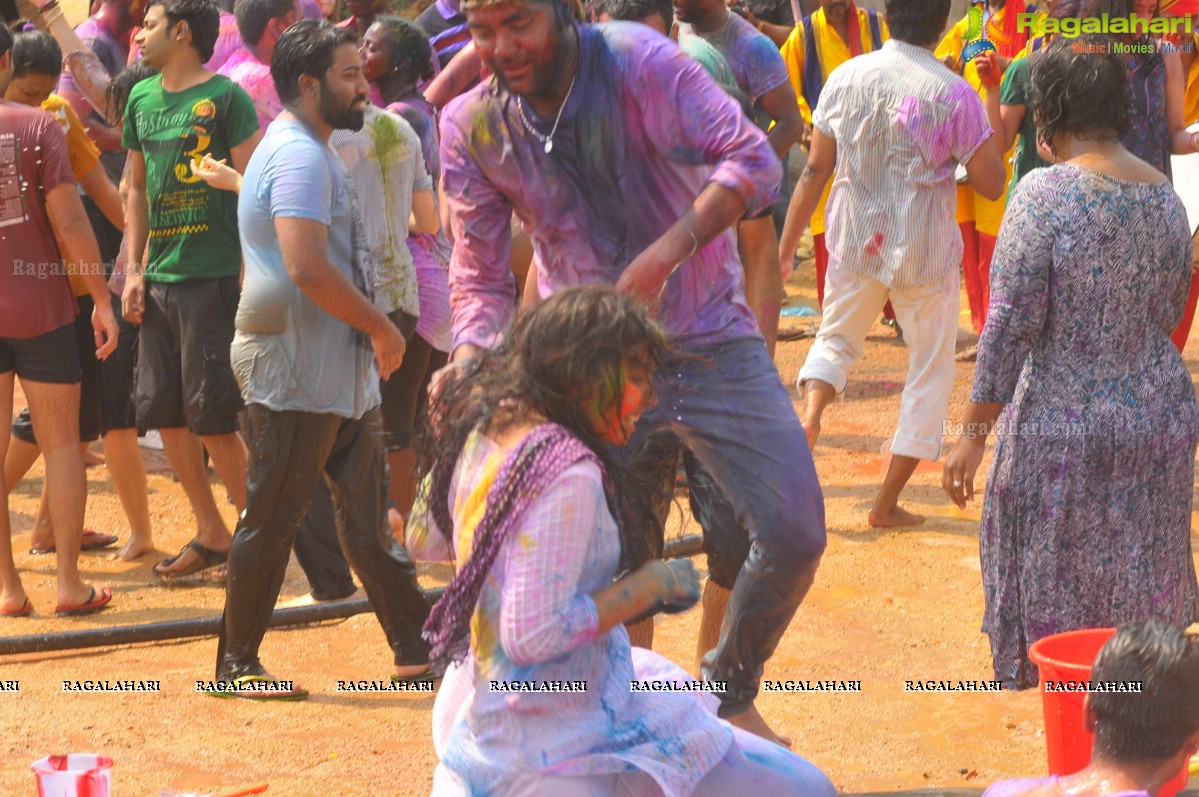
(1087, 516)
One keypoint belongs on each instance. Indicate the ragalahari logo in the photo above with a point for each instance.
(982, 34)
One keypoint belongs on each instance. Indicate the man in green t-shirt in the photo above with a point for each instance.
(185, 294)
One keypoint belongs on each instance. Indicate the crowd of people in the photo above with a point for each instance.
(476, 287)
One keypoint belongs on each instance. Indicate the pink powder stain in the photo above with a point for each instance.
(876, 244)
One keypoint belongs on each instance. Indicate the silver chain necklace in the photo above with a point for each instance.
(547, 141)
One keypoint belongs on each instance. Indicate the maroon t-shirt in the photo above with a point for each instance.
(35, 296)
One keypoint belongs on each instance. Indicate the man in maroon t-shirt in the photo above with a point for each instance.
(40, 210)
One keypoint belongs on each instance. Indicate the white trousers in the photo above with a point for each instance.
(928, 315)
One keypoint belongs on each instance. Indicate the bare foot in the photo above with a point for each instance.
(308, 600)
(13, 604)
(896, 518)
(751, 721)
(92, 459)
(134, 549)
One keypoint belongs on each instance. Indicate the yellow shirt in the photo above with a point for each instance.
(83, 154)
(985, 214)
(832, 51)
(1191, 104)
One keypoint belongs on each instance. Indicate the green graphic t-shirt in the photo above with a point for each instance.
(193, 227)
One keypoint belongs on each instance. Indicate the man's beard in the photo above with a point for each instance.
(341, 118)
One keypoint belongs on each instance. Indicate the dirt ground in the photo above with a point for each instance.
(887, 607)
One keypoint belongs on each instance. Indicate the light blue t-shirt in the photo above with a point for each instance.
(288, 354)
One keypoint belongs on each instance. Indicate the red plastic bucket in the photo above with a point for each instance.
(74, 775)
(1069, 657)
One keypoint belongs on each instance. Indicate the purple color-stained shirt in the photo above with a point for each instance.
(755, 60)
(255, 77)
(228, 41)
(641, 134)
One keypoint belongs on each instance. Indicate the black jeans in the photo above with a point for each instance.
(288, 453)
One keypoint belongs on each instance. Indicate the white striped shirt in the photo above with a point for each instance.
(902, 122)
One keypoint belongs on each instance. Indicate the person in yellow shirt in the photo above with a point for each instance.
(824, 40)
(978, 217)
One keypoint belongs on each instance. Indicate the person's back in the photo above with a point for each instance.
(900, 121)
(383, 168)
(1120, 258)
(35, 297)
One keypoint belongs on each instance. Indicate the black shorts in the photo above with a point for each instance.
(183, 373)
(116, 378)
(399, 392)
(90, 423)
(52, 357)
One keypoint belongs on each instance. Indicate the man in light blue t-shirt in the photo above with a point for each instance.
(305, 354)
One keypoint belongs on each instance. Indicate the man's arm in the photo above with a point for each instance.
(304, 244)
(82, 254)
(985, 169)
(424, 213)
(482, 287)
(781, 105)
(822, 161)
(137, 230)
(746, 172)
(241, 153)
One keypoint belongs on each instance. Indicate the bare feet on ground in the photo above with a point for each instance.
(750, 720)
(134, 549)
(895, 518)
(12, 602)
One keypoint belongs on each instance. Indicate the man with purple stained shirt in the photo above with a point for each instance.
(627, 164)
(260, 23)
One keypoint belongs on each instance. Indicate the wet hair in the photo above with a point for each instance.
(548, 364)
(203, 19)
(116, 96)
(6, 39)
(36, 53)
(918, 22)
(564, 12)
(637, 10)
(1155, 723)
(254, 15)
(409, 49)
(306, 48)
(1077, 87)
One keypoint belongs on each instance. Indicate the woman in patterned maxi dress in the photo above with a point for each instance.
(1087, 515)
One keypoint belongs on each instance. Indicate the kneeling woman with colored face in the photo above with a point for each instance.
(543, 693)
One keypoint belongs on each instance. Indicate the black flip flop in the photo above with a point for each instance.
(206, 558)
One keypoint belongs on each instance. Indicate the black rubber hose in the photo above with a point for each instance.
(210, 626)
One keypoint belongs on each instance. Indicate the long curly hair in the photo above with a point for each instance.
(549, 364)
(555, 359)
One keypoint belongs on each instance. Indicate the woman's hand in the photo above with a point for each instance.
(676, 583)
(217, 173)
(957, 477)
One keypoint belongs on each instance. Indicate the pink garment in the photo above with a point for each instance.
(255, 77)
(228, 41)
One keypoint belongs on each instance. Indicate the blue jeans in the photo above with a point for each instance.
(726, 404)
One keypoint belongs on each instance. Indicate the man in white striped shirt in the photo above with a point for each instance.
(894, 124)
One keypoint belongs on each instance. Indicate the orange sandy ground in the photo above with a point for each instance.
(886, 607)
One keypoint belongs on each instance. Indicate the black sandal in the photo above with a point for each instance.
(206, 558)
